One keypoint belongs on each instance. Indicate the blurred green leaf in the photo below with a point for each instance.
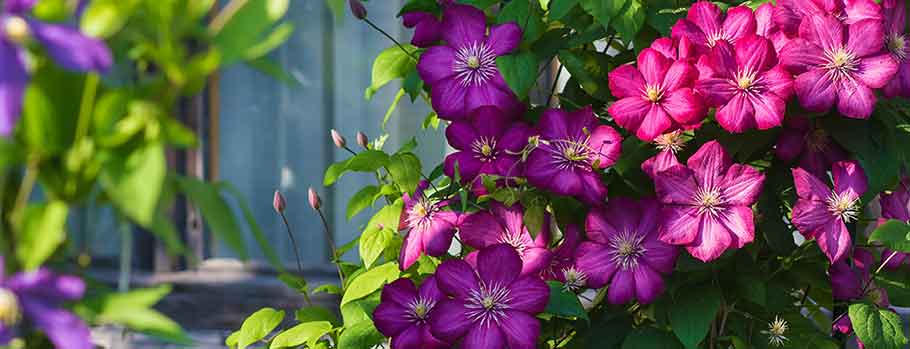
(692, 311)
(104, 18)
(894, 234)
(134, 310)
(264, 245)
(258, 325)
(527, 14)
(134, 180)
(42, 232)
(49, 110)
(240, 28)
(630, 20)
(604, 10)
(273, 40)
(216, 212)
(559, 8)
(314, 313)
(564, 303)
(307, 332)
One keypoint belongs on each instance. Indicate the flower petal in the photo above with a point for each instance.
(866, 37)
(45, 284)
(680, 74)
(504, 38)
(464, 25)
(411, 249)
(816, 92)
(675, 185)
(859, 10)
(660, 256)
(800, 55)
(626, 81)
(12, 87)
(740, 23)
(764, 21)
(709, 163)
(630, 111)
(484, 336)
(809, 216)
(437, 237)
(790, 141)
(685, 107)
(481, 229)
(400, 292)
(391, 318)
(64, 329)
(410, 338)
(468, 165)
(711, 242)
(659, 162)
(653, 66)
(520, 329)
(18, 6)
(680, 224)
(855, 100)
(436, 63)
(491, 95)
(622, 287)
(778, 81)
(656, 123)
(741, 185)
(498, 264)
(707, 16)
(876, 71)
(553, 124)
(717, 91)
(809, 187)
(648, 284)
(594, 260)
(834, 240)
(755, 54)
(849, 177)
(426, 28)
(738, 221)
(429, 289)
(822, 30)
(529, 294)
(449, 321)
(456, 278)
(448, 98)
(689, 30)
(70, 49)
(738, 115)
(535, 259)
(769, 110)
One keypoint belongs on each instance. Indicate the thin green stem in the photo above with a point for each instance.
(409, 53)
(25, 190)
(306, 293)
(86, 105)
(331, 242)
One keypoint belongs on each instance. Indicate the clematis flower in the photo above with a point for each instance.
(64, 44)
(488, 142)
(705, 25)
(674, 49)
(625, 251)
(505, 225)
(849, 280)
(656, 97)
(573, 148)
(37, 298)
(896, 205)
(767, 28)
(668, 144)
(838, 64)
(404, 311)
(898, 44)
(748, 87)
(845, 326)
(707, 203)
(562, 266)
(430, 227)
(462, 74)
(490, 306)
(814, 147)
(821, 213)
(788, 14)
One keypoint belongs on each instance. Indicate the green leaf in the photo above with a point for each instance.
(104, 18)
(560, 8)
(164, 229)
(391, 109)
(134, 310)
(564, 303)
(877, 328)
(603, 10)
(372, 243)
(133, 181)
(245, 28)
(650, 338)
(392, 63)
(894, 234)
(481, 4)
(365, 161)
(370, 281)
(259, 325)
(314, 313)
(361, 200)
(276, 38)
(527, 14)
(405, 170)
(693, 309)
(519, 70)
(590, 69)
(42, 232)
(629, 22)
(362, 335)
(216, 212)
(49, 110)
(307, 332)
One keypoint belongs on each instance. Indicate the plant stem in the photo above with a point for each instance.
(331, 242)
(86, 105)
(390, 38)
(306, 293)
(25, 190)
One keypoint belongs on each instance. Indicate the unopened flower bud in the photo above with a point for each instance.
(278, 202)
(315, 202)
(362, 140)
(357, 8)
(338, 139)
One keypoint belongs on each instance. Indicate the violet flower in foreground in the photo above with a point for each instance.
(625, 251)
(748, 87)
(896, 205)
(707, 204)
(821, 213)
(488, 142)
(404, 311)
(814, 147)
(430, 227)
(505, 225)
(490, 307)
(37, 297)
(573, 148)
(426, 28)
(462, 74)
(64, 44)
(898, 44)
(706, 25)
(838, 65)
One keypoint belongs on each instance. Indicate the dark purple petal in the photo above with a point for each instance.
(855, 100)
(438, 235)
(680, 224)
(449, 321)
(491, 94)
(810, 217)
(816, 92)
(391, 318)
(866, 37)
(553, 124)
(529, 294)
(563, 182)
(427, 28)
(594, 260)
(456, 278)
(461, 134)
(520, 329)
(593, 191)
(709, 163)
(622, 287)
(790, 141)
(626, 81)
(895, 13)
(483, 337)
(599, 224)
(13, 79)
(70, 49)
(516, 137)
(18, 7)
(845, 283)
(660, 256)
(504, 38)
(713, 239)
(535, 259)
(401, 292)
(436, 64)
(648, 284)
(464, 25)
(849, 177)
(490, 121)
(498, 264)
(448, 98)
(44, 284)
(410, 338)
(468, 165)
(481, 229)
(717, 91)
(64, 329)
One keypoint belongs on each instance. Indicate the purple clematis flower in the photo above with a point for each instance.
(427, 28)
(839, 64)
(821, 213)
(748, 87)
(562, 266)
(898, 44)
(896, 205)
(490, 306)
(404, 311)
(488, 142)
(789, 13)
(656, 97)
(707, 203)
(38, 297)
(573, 148)
(505, 225)
(64, 44)
(845, 326)
(814, 147)
(462, 74)
(848, 281)
(625, 251)
(705, 25)
(430, 227)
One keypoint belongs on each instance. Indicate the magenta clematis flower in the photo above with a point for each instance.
(748, 87)
(674, 49)
(64, 44)
(562, 266)
(896, 205)
(707, 203)
(573, 148)
(488, 142)
(845, 326)
(789, 13)
(898, 44)
(814, 147)
(404, 311)
(767, 28)
(668, 144)
(838, 64)
(505, 225)
(430, 227)
(625, 251)
(490, 306)
(37, 297)
(462, 74)
(821, 213)
(656, 97)
(705, 25)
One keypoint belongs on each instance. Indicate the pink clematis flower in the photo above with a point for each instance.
(767, 28)
(674, 49)
(505, 225)
(705, 25)
(821, 213)
(707, 203)
(748, 87)
(898, 44)
(813, 146)
(562, 266)
(430, 227)
(788, 14)
(838, 64)
(656, 97)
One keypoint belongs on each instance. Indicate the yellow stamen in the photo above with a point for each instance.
(16, 29)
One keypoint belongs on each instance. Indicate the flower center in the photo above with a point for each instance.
(421, 213)
(671, 141)
(776, 331)
(514, 240)
(488, 304)
(575, 279)
(10, 313)
(717, 36)
(840, 63)
(653, 93)
(897, 45)
(475, 64)
(845, 206)
(569, 153)
(484, 148)
(709, 200)
(626, 248)
(420, 308)
(16, 29)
